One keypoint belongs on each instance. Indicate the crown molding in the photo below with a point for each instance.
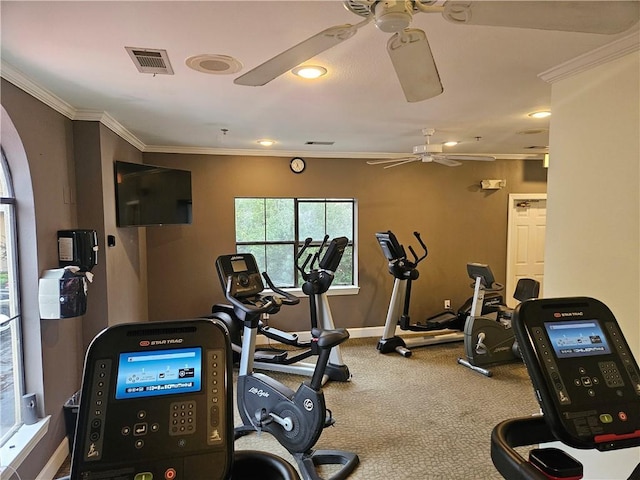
(20, 80)
(112, 124)
(265, 153)
(589, 60)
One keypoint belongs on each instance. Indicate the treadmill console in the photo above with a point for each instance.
(156, 403)
(584, 374)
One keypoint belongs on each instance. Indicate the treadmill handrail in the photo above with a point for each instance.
(518, 432)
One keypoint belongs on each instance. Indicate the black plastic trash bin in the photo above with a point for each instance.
(71, 408)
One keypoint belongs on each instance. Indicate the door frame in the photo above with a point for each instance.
(514, 198)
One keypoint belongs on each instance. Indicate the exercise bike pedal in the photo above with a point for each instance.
(329, 421)
(309, 462)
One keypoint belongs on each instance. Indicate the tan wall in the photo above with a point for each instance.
(457, 220)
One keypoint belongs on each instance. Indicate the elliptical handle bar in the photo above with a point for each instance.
(424, 247)
(306, 244)
(319, 252)
(287, 298)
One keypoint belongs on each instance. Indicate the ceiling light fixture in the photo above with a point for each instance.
(540, 114)
(309, 71)
(450, 144)
(265, 142)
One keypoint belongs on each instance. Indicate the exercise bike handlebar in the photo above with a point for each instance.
(250, 307)
(272, 302)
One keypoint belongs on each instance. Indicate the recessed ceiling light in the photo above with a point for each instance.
(450, 144)
(540, 114)
(309, 71)
(266, 142)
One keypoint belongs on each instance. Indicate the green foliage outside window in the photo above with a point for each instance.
(274, 229)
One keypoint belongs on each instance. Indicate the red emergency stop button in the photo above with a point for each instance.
(170, 474)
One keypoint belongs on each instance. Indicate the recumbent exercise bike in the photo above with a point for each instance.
(488, 337)
(295, 418)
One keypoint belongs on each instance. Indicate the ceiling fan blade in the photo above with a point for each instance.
(309, 48)
(414, 64)
(402, 162)
(478, 158)
(446, 161)
(388, 160)
(571, 16)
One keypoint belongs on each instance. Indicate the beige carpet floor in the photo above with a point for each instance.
(423, 417)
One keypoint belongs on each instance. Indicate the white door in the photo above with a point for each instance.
(525, 240)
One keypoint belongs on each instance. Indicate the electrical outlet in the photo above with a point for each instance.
(447, 304)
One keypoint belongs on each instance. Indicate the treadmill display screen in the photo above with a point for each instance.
(577, 338)
(159, 372)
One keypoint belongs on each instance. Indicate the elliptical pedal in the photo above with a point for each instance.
(270, 355)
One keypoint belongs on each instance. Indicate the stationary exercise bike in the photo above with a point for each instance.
(442, 328)
(295, 418)
(489, 339)
(317, 271)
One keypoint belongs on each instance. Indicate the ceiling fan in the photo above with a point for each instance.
(429, 152)
(409, 48)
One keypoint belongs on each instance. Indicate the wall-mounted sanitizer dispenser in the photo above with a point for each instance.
(63, 291)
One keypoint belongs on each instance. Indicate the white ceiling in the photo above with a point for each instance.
(76, 51)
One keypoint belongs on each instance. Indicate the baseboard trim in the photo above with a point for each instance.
(49, 471)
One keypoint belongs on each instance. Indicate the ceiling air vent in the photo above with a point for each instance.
(318, 143)
(149, 60)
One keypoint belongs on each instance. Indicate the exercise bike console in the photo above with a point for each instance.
(584, 374)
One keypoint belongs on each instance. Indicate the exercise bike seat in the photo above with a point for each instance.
(327, 339)
(248, 464)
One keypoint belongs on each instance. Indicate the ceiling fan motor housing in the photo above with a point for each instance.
(393, 15)
(427, 148)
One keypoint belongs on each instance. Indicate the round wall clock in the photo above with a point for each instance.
(297, 165)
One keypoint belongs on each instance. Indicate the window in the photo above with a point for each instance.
(274, 230)
(11, 371)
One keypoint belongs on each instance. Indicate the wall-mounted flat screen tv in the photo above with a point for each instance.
(149, 195)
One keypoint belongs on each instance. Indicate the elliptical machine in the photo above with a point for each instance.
(295, 418)
(489, 339)
(442, 328)
(317, 271)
